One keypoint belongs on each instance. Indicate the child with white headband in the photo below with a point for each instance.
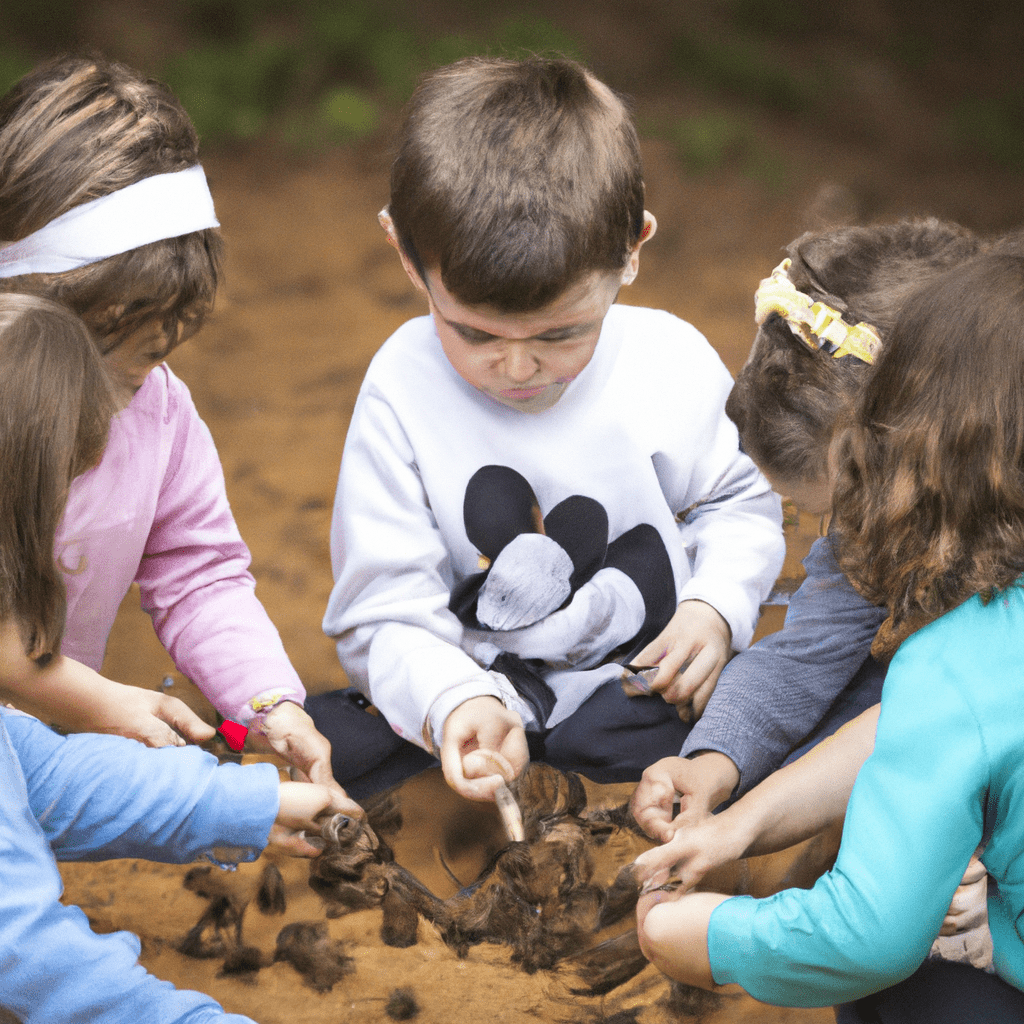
(104, 207)
(927, 496)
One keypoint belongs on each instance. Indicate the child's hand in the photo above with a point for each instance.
(673, 933)
(484, 744)
(289, 732)
(155, 719)
(699, 785)
(300, 804)
(969, 907)
(690, 653)
(691, 853)
(68, 694)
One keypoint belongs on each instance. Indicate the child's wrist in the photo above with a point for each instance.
(449, 700)
(257, 709)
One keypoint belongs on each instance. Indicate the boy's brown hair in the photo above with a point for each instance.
(76, 129)
(929, 496)
(514, 179)
(787, 397)
(55, 409)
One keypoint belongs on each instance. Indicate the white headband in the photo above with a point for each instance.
(163, 206)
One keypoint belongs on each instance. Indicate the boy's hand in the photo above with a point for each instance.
(300, 804)
(690, 653)
(484, 744)
(699, 785)
(289, 732)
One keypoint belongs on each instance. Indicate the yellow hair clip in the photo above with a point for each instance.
(819, 326)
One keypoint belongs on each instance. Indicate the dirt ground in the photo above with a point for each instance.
(312, 291)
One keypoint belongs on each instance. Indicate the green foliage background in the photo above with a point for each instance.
(312, 74)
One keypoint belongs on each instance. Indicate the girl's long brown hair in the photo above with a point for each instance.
(55, 409)
(929, 497)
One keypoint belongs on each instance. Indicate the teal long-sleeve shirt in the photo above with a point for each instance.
(947, 768)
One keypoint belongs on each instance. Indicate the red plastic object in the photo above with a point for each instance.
(233, 733)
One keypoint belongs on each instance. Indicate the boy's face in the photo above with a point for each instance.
(523, 360)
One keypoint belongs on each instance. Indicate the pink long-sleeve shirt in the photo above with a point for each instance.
(155, 512)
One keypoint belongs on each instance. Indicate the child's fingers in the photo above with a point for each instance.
(652, 807)
(701, 696)
(653, 867)
(292, 843)
(478, 764)
(184, 721)
(699, 676)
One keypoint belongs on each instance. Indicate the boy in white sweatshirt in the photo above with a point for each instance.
(538, 486)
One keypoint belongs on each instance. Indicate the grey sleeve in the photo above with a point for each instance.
(772, 695)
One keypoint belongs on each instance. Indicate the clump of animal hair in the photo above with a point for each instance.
(689, 1001)
(537, 897)
(243, 963)
(216, 933)
(270, 895)
(309, 948)
(402, 1004)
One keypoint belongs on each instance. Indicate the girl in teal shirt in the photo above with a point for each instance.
(929, 508)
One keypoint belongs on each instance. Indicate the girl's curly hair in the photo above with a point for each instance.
(929, 496)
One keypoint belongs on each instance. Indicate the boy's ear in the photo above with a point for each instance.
(633, 263)
(385, 221)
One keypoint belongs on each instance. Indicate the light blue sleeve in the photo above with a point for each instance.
(53, 967)
(914, 820)
(104, 797)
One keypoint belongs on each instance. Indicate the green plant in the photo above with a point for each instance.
(995, 126)
(396, 60)
(13, 64)
(742, 67)
(347, 113)
(711, 141)
(522, 34)
(230, 90)
(448, 49)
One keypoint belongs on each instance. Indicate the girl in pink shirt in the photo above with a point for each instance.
(104, 207)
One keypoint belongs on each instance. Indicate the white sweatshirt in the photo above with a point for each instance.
(642, 430)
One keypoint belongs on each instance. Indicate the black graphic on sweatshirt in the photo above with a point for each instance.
(532, 565)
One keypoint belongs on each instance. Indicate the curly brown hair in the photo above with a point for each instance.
(928, 503)
(78, 128)
(787, 397)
